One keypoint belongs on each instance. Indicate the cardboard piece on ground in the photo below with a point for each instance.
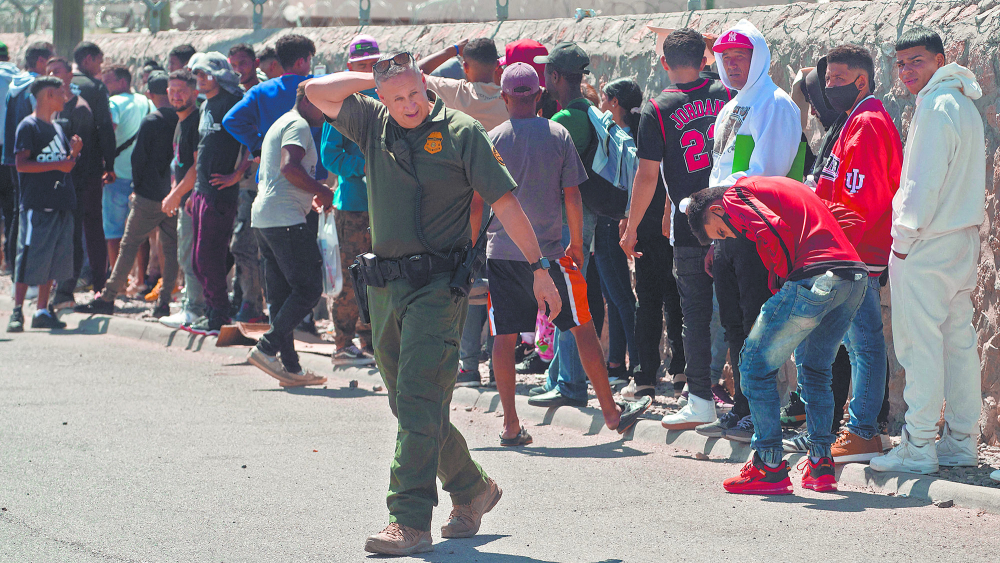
(247, 334)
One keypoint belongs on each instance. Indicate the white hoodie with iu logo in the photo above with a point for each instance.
(763, 113)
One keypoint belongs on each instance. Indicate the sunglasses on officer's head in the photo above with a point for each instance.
(402, 59)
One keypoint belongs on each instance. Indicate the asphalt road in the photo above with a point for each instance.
(117, 450)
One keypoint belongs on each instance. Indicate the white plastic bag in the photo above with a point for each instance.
(329, 249)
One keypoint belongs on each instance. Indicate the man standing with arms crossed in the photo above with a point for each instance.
(420, 198)
(935, 254)
(860, 170)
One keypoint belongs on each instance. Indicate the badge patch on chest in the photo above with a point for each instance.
(433, 144)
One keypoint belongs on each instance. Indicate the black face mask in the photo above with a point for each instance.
(842, 98)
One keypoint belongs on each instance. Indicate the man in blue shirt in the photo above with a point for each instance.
(249, 120)
(350, 201)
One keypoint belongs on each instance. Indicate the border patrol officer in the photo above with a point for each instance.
(423, 162)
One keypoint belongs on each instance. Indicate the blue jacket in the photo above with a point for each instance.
(251, 117)
(342, 157)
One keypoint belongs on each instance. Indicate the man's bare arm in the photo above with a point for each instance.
(643, 188)
(428, 64)
(329, 92)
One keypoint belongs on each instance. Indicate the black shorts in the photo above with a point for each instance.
(512, 305)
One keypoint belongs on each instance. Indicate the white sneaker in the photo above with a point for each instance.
(956, 450)
(995, 475)
(908, 457)
(696, 412)
(633, 391)
(179, 319)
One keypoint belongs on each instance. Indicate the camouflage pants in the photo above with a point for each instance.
(355, 239)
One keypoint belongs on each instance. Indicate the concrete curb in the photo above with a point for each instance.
(587, 420)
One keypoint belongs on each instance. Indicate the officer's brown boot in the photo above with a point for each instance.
(397, 539)
(465, 518)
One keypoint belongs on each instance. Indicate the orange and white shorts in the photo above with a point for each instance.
(512, 306)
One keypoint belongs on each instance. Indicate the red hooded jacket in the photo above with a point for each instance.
(798, 235)
(862, 173)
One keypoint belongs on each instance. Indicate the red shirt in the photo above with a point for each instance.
(862, 173)
(798, 235)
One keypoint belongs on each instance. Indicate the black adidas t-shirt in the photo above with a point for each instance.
(676, 128)
(45, 142)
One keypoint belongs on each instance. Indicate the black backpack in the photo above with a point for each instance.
(600, 195)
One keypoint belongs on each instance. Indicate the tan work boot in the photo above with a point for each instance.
(465, 519)
(397, 539)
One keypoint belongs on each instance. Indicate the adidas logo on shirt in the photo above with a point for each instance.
(54, 152)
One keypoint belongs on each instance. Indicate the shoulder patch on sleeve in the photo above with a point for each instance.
(497, 156)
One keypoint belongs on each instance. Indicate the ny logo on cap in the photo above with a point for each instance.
(732, 36)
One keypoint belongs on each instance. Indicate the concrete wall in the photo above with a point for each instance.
(798, 35)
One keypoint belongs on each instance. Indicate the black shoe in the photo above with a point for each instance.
(554, 398)
(532, 364)
(47, 320)
(96, 307)
(534, 391)
(161, 311)
(794, 413)
(521, 352)
(718, 428)
(631, 410)
(16, 321)
(467, 378)
(617, 375)
(742, 432)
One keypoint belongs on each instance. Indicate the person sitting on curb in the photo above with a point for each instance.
(801, 242)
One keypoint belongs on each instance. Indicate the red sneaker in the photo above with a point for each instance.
(820, 476)
(756, 478)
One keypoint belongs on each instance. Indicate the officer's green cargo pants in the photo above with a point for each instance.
(416, 334)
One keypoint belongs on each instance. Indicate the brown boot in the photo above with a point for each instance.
(465, 518)
(397, 539)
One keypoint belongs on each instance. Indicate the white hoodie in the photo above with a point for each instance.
(760, 110)
(943, 184)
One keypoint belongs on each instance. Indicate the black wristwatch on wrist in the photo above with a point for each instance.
(542, 264)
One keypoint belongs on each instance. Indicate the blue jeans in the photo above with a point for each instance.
(797, 320)
(866, 345)
(565, 370)
(472, 338)
(616, 282)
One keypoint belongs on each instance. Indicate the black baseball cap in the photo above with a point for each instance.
(566, 57)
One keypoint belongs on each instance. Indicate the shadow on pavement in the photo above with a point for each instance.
(89, 326)
(466, 550)
(338, 393)
(848, 501)
(609, 450)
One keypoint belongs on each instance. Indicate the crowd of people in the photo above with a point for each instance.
(472, 171)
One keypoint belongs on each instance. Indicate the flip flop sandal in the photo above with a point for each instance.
(631, 410)
(522, 439)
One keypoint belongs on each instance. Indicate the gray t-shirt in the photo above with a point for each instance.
(541, 157)
(278, 202)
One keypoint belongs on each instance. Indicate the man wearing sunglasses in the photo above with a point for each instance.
(423, 162)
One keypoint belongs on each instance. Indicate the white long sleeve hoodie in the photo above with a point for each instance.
(761, 110)
(943, 183)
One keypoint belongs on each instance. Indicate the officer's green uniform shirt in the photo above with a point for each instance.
(452, 156)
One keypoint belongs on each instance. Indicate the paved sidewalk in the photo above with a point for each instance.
(585, 420)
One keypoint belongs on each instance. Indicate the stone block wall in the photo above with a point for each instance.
(798, 34)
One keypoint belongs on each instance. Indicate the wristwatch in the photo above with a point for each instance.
(542, 264)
